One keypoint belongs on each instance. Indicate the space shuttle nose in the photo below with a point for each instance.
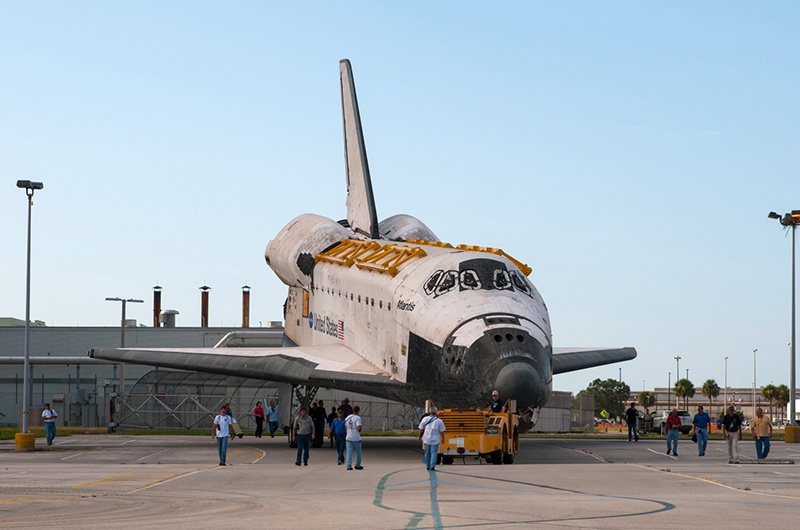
(520, 381)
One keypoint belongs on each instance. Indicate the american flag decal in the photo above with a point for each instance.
(340, 330)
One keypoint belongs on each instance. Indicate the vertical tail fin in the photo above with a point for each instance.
(361, 212)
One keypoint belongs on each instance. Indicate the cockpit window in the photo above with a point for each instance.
(430, 285)
(521, 283)
(469, 280)
(477, 274)
(501, 279)
(447, 283)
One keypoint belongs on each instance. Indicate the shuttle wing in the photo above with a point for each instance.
(361, 212)
(331, 366)
(571, 359)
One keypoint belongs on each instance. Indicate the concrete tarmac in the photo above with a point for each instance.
(119, 481)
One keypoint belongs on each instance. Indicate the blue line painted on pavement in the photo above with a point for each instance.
(437, 518)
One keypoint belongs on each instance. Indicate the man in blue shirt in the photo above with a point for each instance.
(272, 418)
(339, 430)
(701, 423)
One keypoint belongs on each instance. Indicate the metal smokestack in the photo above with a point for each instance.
(246, 306)
(204, 306)
(156, 306)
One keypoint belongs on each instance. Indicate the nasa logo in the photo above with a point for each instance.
(402, 305)
(311, 320)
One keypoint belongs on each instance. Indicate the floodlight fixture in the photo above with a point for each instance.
(30, 185)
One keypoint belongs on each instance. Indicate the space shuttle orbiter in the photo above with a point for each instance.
(387, 309)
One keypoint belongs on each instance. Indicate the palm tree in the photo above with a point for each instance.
(770, 392)
(782, 398)
(647, 400)
(684, 389)
(710, 390)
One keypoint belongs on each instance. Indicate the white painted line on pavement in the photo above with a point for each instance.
(65, 441)
(79, 454)
(662, 454)
(13, 474)
(128, 442)
(716, 483)
(151, 454)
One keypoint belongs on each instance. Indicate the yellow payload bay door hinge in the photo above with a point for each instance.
(370, 255)
(526, 270)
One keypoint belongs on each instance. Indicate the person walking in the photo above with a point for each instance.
(673, 428)
(346, 408)
(258, 413)
(700, 424)
(339, 431)
(272, 418)
(761, 427)
(431, 432)
(353, 438)
(732, 425)
(632, 419)
(331, 435)
(302, 432)
(49, 416)
(317, 414)
(221, 431)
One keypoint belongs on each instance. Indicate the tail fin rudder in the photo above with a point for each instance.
(361, 213)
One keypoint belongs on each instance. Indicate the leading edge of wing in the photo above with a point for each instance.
(571, 359)
(297, 365)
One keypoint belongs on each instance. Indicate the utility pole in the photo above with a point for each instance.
(27, 441)
(121, 385)
(677, 375)
(754, 383)
(791, 219)
(725, 393)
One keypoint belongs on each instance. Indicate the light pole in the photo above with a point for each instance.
(30, 188)
(725, 393)
(791, 219)
(677, 375)
(754, 382)
(121, 385)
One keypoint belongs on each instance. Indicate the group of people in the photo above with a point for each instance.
(270, 416)
(345, 429)
(731, 423)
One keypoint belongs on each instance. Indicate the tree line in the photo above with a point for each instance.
(612, 396)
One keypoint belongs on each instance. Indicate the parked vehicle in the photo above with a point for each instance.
(660, 421)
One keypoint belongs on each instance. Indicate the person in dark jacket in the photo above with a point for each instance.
(497, 405)
(331, 417)
(632, 419)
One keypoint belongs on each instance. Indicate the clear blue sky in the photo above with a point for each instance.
(628, 152)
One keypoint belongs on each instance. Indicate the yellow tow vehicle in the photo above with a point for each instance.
(480, 433)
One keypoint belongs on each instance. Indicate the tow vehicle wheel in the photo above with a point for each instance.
(447, 460)
(497, 457)
(508, 452)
